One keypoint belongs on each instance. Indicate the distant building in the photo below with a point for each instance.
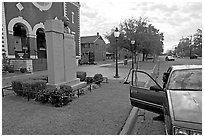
(93, 47)
(23, 33)
(122, 52)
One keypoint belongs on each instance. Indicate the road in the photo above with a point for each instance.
(144, 124)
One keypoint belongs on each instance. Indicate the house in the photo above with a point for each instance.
(93, 48)
(23, 34)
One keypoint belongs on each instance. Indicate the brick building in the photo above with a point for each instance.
(94, 46)
(23, 27)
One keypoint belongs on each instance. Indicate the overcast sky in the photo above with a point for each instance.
(174, 18)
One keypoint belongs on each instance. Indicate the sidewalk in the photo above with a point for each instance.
(103, 111)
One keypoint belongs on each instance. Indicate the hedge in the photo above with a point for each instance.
(38, 90)
(22, 87)
(98, 78)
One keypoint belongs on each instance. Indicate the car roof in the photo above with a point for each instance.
(180, 67)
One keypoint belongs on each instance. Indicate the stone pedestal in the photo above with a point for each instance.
(60, 54)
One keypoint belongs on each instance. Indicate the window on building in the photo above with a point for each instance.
(72, 17)
(87, 45)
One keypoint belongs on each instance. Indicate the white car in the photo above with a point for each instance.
(169, 58)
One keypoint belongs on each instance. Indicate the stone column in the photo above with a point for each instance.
(70, 57)
(54, 39)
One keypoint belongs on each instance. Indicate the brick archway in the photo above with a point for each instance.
(22, 21)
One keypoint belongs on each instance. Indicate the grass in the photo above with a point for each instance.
(101, 112)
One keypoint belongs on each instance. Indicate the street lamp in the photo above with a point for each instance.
(116, 35)
(132, 47)
(132, 43)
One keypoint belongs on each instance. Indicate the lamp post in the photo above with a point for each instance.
(132, 44)
(132, 47)
(116, 35)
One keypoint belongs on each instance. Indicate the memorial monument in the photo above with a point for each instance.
(61, 54)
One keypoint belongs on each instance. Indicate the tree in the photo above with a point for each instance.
(190, 45)
(197, 43)
(183, 47)
(148, 39)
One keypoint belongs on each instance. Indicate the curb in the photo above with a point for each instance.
(129, 124)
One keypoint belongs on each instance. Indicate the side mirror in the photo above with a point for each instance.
(156, 88)
(165, 77)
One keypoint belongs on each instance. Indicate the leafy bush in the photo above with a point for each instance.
(81, 75)
(23, 87)
(44, 96)
(32, 87)
(11, 69)
(43, 93)
(68, 91)
(17, 87)
(23, 70)
(89, 80)
(98, 78)
(5, 67)
(62, 96)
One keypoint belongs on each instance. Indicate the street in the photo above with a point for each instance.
(144, 124)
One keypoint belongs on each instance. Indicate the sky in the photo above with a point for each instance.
(176, 19)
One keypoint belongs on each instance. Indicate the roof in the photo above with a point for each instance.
(180, 67)
(89, 39)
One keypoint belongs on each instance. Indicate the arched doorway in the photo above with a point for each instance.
(41, 43)
(21, 41)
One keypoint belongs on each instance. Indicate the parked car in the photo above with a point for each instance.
(179, 100)
(169, 58)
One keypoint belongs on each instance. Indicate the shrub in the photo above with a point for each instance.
(44, 96)
(23, 70)
(17, 87)
(98, 78)
(44, 93)
(5, 67)
(32, 87)
(61, 96)
(22, 87)
(11, 69)
(68, 91)
(81, 75)
(89, 80)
